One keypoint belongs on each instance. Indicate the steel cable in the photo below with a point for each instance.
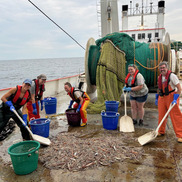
(56, 24)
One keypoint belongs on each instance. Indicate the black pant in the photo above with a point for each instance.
(6, 114)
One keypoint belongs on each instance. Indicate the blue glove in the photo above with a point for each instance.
(124, 88)
(25, 119)
(34, 109)
(71, 103)
(127, 89)
(78, 109)
(156, 99)
(175, 97)
(41, 103)
(10, 104)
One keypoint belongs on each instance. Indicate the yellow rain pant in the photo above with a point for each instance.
(83, 108)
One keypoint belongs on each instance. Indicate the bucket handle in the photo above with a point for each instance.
(47, 120)
(36, 152)
(103, 111)
(31, 149)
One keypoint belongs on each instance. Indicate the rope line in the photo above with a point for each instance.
(159, 61)
(56, 24)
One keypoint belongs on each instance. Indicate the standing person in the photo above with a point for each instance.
(14, 99)
(37, 89)
(82, 100)
(169, 90)
(135, 84)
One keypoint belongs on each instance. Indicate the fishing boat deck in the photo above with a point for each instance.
(160, 160)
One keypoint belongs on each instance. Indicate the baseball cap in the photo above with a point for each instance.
(28, 81)
(42, 76)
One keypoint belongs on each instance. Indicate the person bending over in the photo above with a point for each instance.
(82, 100)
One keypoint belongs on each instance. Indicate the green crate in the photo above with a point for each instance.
(24, 156)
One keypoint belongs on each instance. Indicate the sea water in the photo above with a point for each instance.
(14, 72)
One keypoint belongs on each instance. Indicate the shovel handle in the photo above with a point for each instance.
(170, 107)
(23, 122)
(125, 94)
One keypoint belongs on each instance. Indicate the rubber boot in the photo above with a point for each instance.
(83, 124)
(141, 122)
(134, 121)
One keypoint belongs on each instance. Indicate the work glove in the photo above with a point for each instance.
(42, 104)
(127, 89)
(34, 109)
(175, 97)
(10, 104)
(71, 103)
(25, 119)
(78, 109)
(156, 99)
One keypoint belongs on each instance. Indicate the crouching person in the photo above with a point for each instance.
(82, 100)
(15, 99)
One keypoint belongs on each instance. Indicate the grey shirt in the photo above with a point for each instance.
(140, 81)
(32, 89)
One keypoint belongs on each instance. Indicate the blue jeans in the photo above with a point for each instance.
(139, 99)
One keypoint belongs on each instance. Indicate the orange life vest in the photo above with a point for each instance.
(71, 94)
(133, 80)
(16, 98)
(164, 91)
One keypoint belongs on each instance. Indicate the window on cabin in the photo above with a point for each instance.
(143, 35)
(133, 36)
(149, 35)
(156, 34)
(139, 36)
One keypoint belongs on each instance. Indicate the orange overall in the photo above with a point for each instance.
(175, 114)
(83, 112)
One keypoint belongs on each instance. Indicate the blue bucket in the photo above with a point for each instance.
(50, 105)
(40, 127)
(112, 106)
(110, 120)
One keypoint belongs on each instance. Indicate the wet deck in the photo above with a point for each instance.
(161, 159)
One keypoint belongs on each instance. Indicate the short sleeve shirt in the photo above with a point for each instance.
(173, 80)
(140, 81)
(32, 89)
(77, 94)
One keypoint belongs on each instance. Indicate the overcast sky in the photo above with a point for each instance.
(25, 33)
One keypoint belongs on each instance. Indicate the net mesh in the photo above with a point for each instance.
(110, 76)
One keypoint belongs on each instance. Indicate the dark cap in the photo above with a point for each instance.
(28, 81)
(42, 76)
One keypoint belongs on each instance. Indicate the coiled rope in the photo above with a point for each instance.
(160, 60)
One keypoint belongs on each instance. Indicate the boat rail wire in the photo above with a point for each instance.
(56, 24)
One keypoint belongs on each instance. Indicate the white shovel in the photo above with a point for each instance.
(126, 122)
(40, 139)
(150, 136)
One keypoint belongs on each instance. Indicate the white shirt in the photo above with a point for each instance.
(173, 80)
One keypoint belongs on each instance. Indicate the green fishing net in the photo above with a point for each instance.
(110, 77)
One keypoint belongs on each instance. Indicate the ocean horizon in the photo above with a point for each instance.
(14, 72)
